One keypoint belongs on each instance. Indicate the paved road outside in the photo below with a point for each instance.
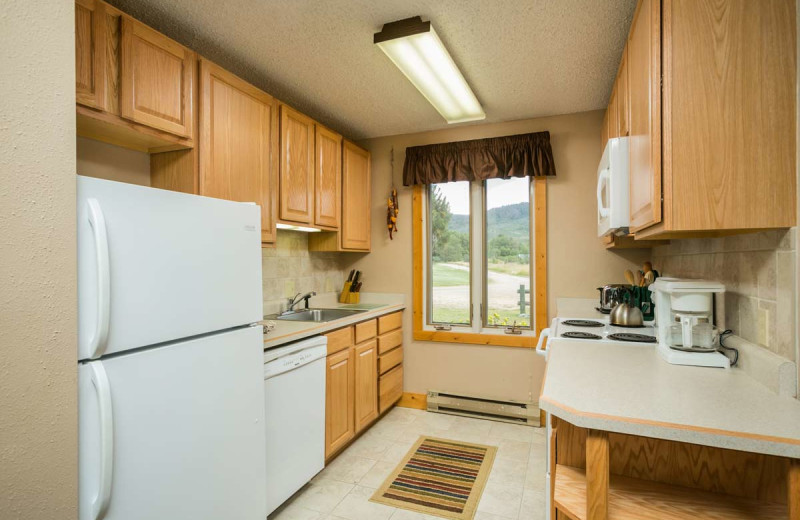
(503, 291)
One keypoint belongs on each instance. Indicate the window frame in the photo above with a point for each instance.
(471, 334)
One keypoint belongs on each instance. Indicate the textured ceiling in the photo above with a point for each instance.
(523, 58)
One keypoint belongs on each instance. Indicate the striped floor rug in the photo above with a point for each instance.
(439, 477)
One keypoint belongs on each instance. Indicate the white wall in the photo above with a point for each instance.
(38, 350)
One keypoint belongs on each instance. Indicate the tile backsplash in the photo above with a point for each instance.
(758, 271)
(289, 268)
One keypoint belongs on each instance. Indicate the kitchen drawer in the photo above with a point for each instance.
(389, 341)
(390, 388)
(366, 330)
(390, 360)
(390, 322)
(339, 339)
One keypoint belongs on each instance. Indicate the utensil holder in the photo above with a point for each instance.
(642, 298)
(344, 296)
(353, 297)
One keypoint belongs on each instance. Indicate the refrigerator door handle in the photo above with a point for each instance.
(97, 344)
(103, 388)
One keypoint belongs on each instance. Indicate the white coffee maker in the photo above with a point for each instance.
(684, 321)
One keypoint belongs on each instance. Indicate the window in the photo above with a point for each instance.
(477, 257)
(507, 243)
(449, 267)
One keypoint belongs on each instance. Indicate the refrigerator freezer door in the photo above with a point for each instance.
(185, 440)
(157, 266)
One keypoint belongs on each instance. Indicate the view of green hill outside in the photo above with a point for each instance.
(508, 252)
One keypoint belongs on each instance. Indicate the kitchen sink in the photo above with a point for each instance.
(318, 315)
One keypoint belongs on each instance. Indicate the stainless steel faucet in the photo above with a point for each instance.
(292, 302)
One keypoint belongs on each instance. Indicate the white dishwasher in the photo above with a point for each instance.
(294, 392)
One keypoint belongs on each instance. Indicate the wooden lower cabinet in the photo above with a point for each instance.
(390, 360)
(366, 389)
(363, 379)
(599, 475)
(390, 388)
(339, 401)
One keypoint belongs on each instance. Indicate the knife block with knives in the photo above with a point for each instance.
(351, 291)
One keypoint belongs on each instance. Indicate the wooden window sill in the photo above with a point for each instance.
(473, 338)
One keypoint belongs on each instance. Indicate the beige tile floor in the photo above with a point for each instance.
(515, 489)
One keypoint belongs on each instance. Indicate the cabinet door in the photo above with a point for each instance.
(156, 76)
(90, 55)
(613, 127)
(390, 388)
(623, 97)
(236, 138)
(366, 377)
(644, 83)
(604, 132)
(729, 142)
(296, 167)
(356, 197)
(339, 401)
(327, 177)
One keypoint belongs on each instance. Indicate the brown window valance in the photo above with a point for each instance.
(524, 155)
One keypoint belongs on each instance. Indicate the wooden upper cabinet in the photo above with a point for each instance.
(644, 76)
(237, 139)
(327, 178)
(613, 125)
(296, 167)
(339, 401)
(90, 55)
(366, 384)
(623, 96)
(356, 197)
(729, 115)
(156, 76)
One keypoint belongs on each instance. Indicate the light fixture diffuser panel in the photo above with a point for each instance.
(426, 63)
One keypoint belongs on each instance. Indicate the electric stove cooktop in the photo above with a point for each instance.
(601, 331)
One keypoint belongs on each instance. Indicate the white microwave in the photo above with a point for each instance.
(613, 195)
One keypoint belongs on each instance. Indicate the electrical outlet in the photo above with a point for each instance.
(288, 289)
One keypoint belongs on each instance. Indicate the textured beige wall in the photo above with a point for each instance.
(38, 365)
(758, 271)
(114, 163)
(577, 262)
(290, 268)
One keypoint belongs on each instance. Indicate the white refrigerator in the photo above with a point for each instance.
(171, 381)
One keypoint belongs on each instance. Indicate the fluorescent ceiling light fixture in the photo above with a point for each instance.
(292, 227)
(418, 52)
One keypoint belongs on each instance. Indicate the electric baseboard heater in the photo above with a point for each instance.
(517, 412)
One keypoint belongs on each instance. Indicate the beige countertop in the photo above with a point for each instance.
(631, 389)
(373, 304)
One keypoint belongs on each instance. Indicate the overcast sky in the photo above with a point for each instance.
(501, 193)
